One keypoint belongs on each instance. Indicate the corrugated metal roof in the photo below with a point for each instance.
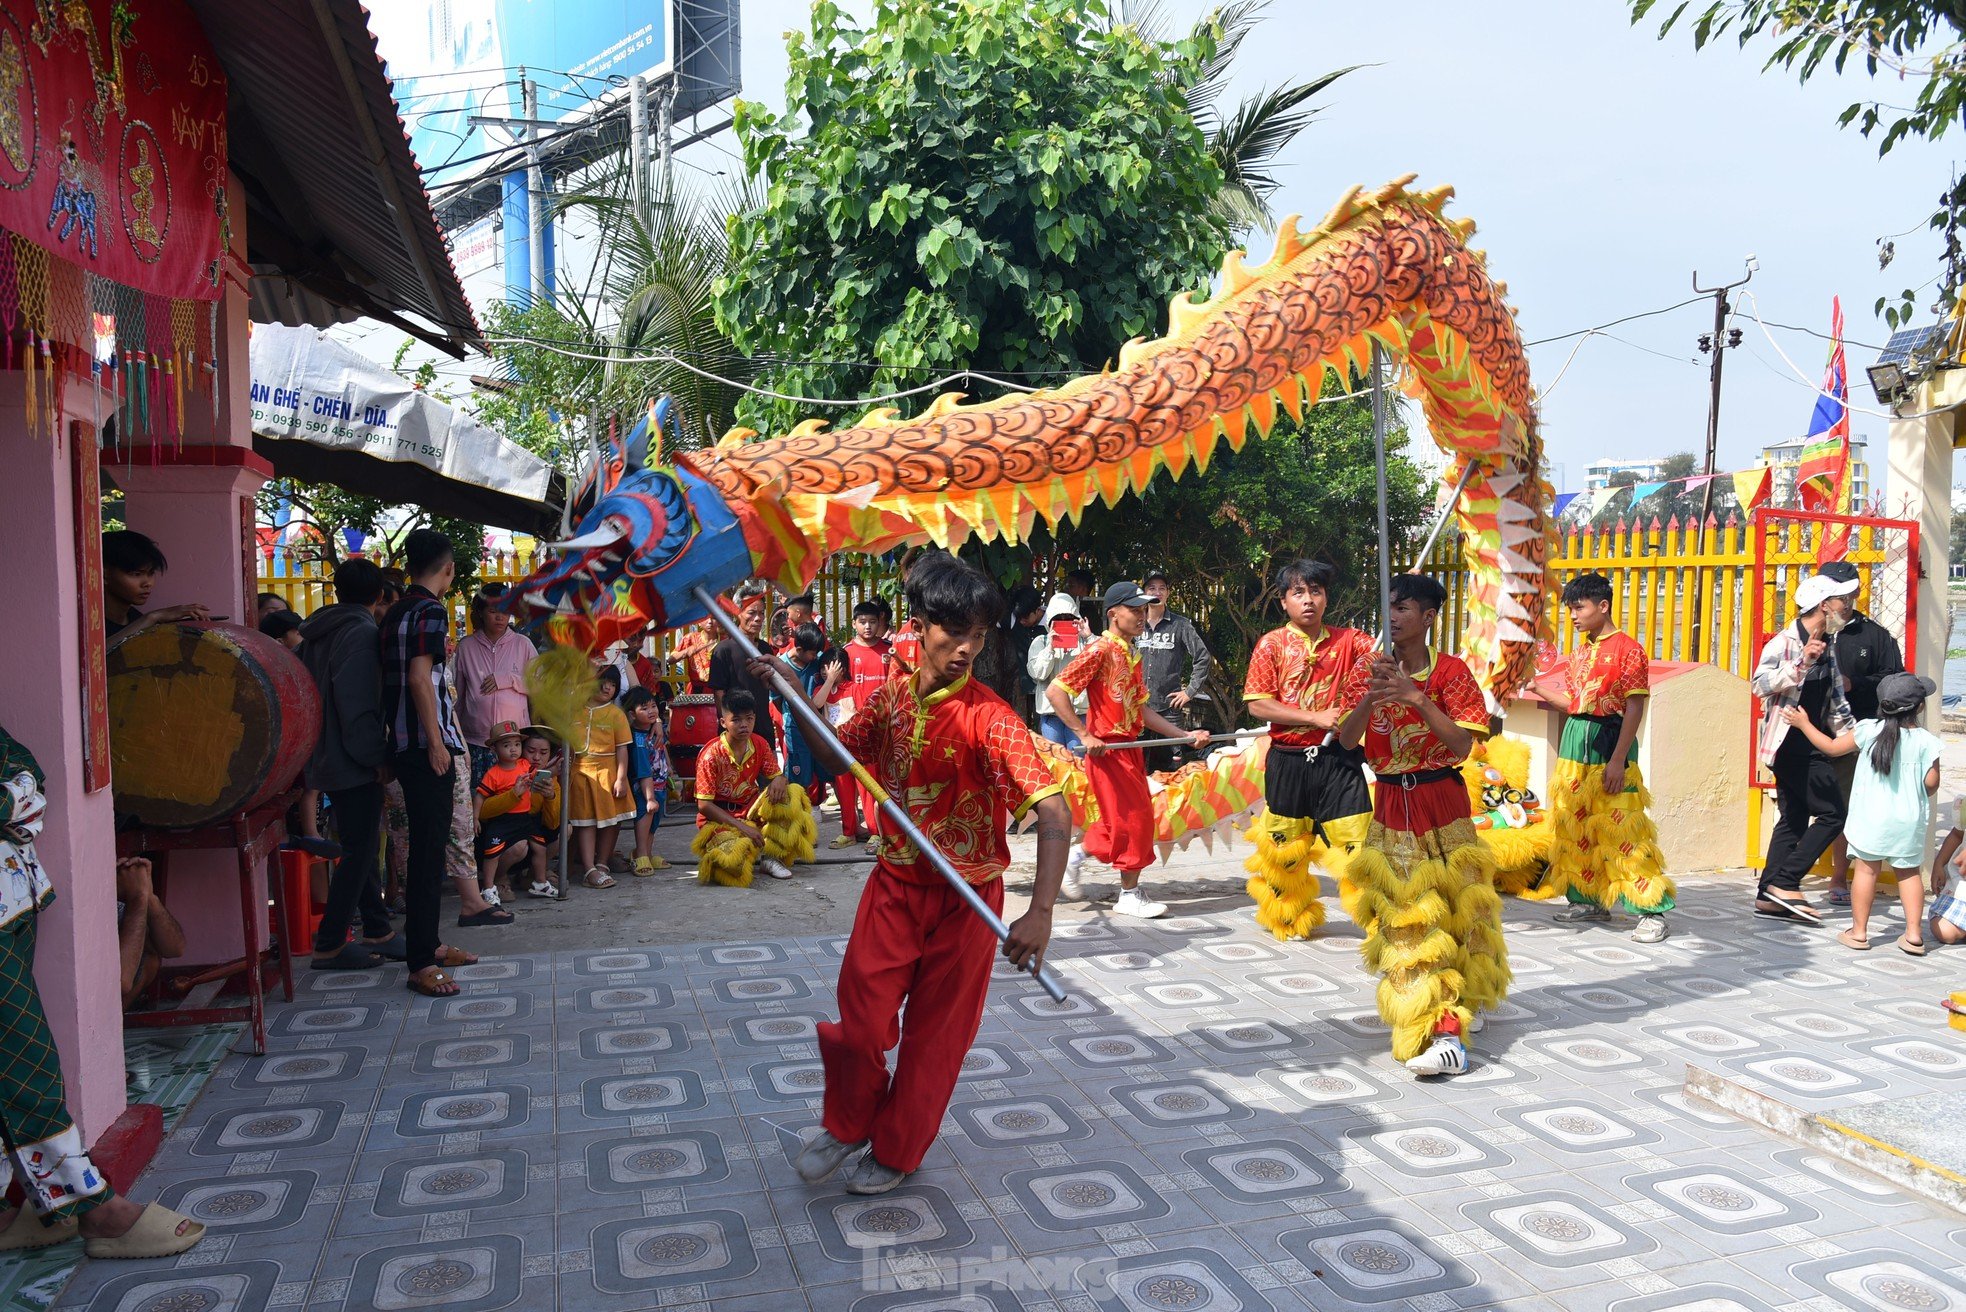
(338, 224)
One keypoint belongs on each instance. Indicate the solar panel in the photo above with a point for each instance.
(1913, 343)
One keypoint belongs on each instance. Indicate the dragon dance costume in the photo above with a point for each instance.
(1316, 804)
(1425, 882)
(1108, 673)
(736, 782)
(48, 1157)
(1607, 848)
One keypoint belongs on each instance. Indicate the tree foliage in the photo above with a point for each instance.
(1917, 44)
(1011, 186)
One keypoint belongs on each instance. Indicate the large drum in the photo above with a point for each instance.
(205, 721)
(692, 724)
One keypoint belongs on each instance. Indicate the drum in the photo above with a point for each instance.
(692, 724)
(205, 721)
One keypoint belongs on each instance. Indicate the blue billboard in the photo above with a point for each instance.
(450, 59)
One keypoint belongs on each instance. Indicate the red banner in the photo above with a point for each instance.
(112, 141)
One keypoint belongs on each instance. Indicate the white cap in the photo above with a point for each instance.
(1816, 589)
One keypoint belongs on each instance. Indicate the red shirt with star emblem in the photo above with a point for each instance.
(1310, 675)
(1607, 672)
(1108, 673)
(731, 781)
(867, 668)
(962, 764)
(1398, 739)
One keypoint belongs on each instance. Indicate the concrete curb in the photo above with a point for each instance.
(1823, 1132)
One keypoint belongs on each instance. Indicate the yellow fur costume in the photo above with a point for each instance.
(1433, 926)
(727, 857)
(1607, 848)
(1281, 879)
(1521, 852)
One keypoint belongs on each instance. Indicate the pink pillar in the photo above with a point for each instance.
(41, 705)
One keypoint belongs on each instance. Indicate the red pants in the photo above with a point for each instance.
(854, 798)
(921, 944)
(1123, 835)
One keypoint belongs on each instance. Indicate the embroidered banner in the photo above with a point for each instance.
(112, 141)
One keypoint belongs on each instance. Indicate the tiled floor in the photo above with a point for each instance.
(1211, 1121)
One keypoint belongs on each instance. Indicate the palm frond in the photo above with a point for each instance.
(1261, 127)
(1232, 21)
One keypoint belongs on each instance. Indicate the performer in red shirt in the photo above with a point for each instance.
(1607, 848)
(1315, 803)
(965, 765)
(1108, 673)
(733, 771)
(867, 669)
(1426, 895)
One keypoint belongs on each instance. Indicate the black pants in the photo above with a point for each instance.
(1812, 810)
(427, 798)
(353, 887)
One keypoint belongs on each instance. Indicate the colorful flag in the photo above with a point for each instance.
(1640, 491)
(1563, 501)
(1601, 498)
(1822, 483)
(1751, 487)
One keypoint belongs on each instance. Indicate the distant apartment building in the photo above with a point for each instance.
(1785, 458)
(1600, 473)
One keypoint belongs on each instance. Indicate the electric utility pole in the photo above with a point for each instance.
(1716, 344)
(638, 147)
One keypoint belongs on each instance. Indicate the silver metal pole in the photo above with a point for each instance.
(665, 141)
(566, 811)
(535, 195)
(814, 724)
(638, 148)
(1379, 457)
(1182, 741)
(1453, 499)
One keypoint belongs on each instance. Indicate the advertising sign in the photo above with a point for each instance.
(450, 59)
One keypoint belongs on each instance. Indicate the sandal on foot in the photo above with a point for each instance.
(491, 915)
(845, 841)
(158, 1232)
(1839, 897)
(1787, 908)
(393, 948)
(26, 1231)
(1856, 942)
(353, 956)
(1909, 948)
(548, 891)
(598, 877)
(450, 956)
(433, 982)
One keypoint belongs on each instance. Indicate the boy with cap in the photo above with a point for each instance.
(1798, 671)
(1108, 673)
(505, 815)
(1606, 853)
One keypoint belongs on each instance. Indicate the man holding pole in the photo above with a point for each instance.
(961, 762)
(1108, 673)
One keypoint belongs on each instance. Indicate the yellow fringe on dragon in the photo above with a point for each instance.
(1289, 901)
(727, 857)
(1511, 822)
(1434, 933)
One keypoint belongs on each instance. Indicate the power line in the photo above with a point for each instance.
(1599, 328)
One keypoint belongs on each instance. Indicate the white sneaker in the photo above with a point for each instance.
(774, 867)
(1578, 912)
(1478, 1024)
(1446, 1055)
(1650, 929)
(1133, 903)
(823, 1156)
(1070, 887)
(870, 1177)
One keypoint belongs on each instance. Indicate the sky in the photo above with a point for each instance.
(1603, 167)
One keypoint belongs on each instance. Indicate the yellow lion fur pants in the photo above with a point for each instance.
(725, 856)
(1607, 848)
(1281, 874)
(1433, 926)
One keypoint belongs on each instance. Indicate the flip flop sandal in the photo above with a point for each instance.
(1855, 942)
(26, 1231)
(493, 915)
(843, 841)
(598, 877)
(158, 1232)
(1787, 909)
(547, 891)
(393, 948)
(1910, 948)
(1839, 897)
(433, 982)
(353, 956)
(450, 956)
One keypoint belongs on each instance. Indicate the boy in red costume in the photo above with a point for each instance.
(1426, 896)
(960, 760)
(1108, 673)
(867, 668)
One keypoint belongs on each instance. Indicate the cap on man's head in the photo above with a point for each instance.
(1840, 570)
(505, 729)
(1818, 588)
(1901, 693)
(1153, 574)
(1125, 594)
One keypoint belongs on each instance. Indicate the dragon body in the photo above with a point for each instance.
(1386, 267)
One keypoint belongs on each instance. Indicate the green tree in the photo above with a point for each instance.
(1011, 186)
(1957, 554)
(1918, 45)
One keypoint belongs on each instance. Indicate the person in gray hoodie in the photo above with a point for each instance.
(341, 648)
